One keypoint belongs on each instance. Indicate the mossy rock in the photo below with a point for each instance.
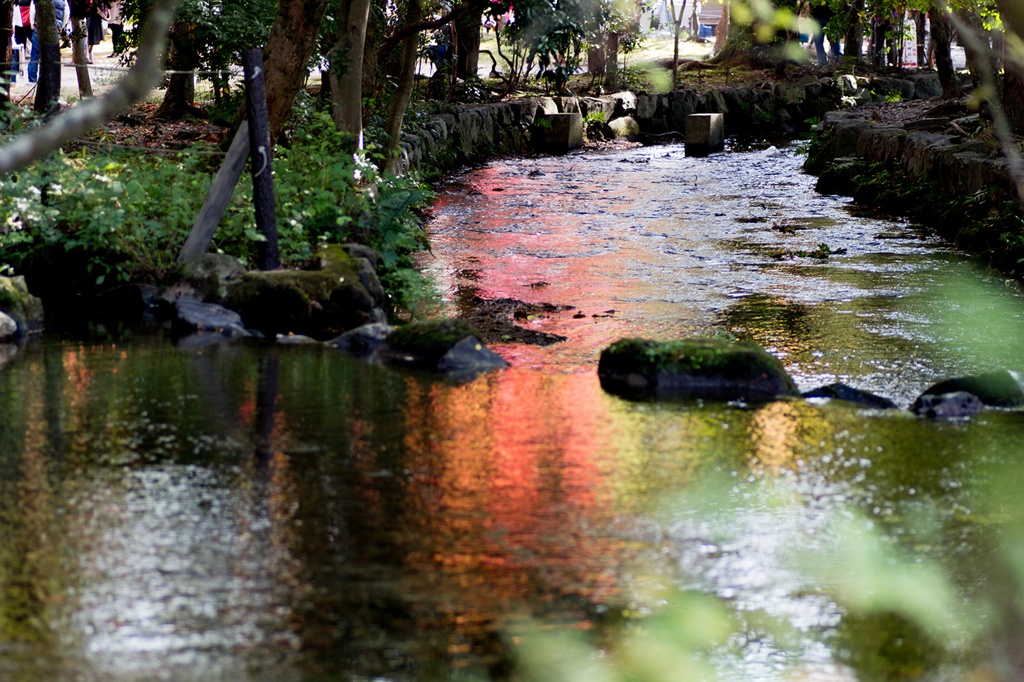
(318, 303)
(20, 305)
(210, 275)
(430, 339)
(452, 347)
(697, 368)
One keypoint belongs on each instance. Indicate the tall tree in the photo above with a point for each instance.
(854, 39)
(942, 39)
(292, 41)
(48, 88)
(347, 69)
(78, 56)
(1012, 14)
(6, 30)
(467, 34)
(406, 80)
(182, 60)
(677, 29)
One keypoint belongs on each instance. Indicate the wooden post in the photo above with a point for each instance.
(218, 197)
(261, 153)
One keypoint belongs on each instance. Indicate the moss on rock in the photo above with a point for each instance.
(319, 303)
(430, 339)
(713, 369)
(20, 305)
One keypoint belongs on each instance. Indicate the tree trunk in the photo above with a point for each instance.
(48, 89)
(180, 94)
(611, 51)
(596, 62)
(740, 46)
(6, 55)
(406, 81)
(371, 57)
(467, 60)
(178, 98)
(854, 38)
(677, 26)
(78, 51)
(943, 58)
(1012, 14)
(970, 17)
(347, 69)
(293, 38)
(724, 28)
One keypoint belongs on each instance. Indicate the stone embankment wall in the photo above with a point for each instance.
(931, 149)
(476, 131)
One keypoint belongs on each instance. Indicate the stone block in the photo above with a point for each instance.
(705, 134)
(558, 133)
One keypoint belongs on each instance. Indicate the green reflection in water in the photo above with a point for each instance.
(298, 515)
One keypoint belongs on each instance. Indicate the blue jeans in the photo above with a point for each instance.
(819, 48)
(33, 60)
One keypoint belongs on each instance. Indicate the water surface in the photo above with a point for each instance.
(243, 513)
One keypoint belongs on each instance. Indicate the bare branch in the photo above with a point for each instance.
(25, 149)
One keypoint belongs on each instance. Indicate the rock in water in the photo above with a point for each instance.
(8, 327)
(21, 306)
(840, 391)
(1003, 388)
(362, 340)
(958, 405)
(192, 316)
(343, 294)
(711, 369)
(452, 347)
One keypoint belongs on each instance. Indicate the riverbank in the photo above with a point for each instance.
(767, 109)
(943, 168)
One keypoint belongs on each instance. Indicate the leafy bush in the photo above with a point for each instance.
(127, 215)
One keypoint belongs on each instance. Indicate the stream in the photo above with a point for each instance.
(242, 513)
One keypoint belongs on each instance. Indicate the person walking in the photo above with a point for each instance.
(23, 21)
(116, 26)
(93, 28)
(822, 14)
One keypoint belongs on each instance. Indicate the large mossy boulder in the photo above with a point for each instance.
(21, 306)
(1002, 388)
(452, 347)
(343, 294)
(698, 368)
(206, 278)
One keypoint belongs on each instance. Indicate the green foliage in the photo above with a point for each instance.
(593, 126)
(217, 32)
(127, 216)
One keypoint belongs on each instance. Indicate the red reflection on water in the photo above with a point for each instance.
(515, 497)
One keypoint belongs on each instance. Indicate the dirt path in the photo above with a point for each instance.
(104, 72)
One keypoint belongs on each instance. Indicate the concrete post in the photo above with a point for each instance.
(705, 134)
(558, 133)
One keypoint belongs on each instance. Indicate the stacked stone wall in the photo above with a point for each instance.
(472, 132)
